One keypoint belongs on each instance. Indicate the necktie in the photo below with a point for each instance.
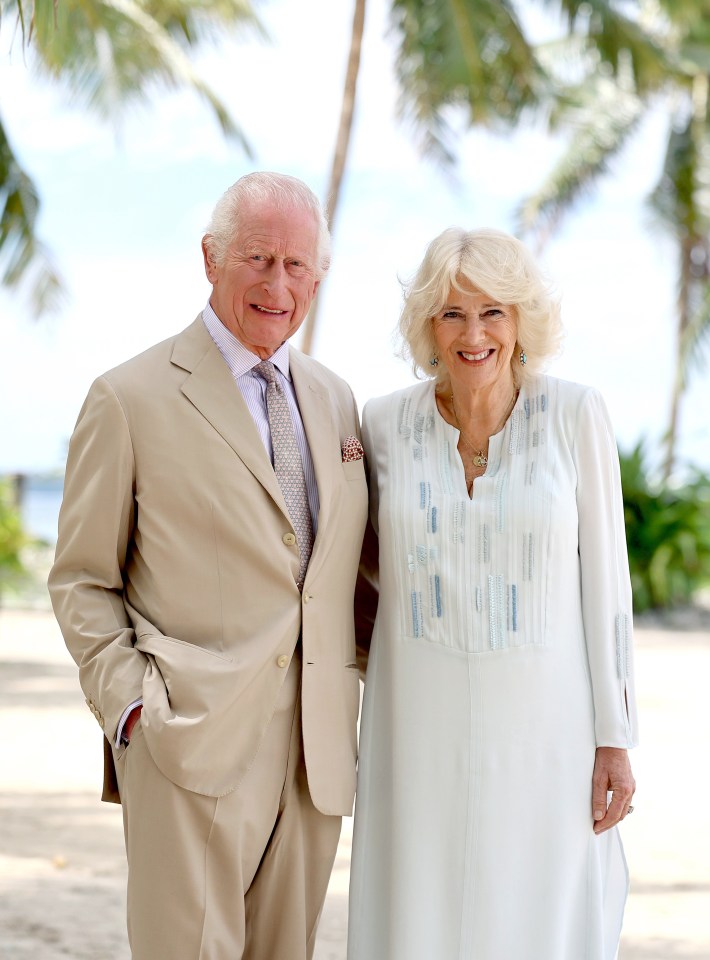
(287, 464)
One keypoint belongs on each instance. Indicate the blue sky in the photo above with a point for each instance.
(124, 210)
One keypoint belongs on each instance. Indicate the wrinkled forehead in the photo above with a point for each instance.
(284, 230)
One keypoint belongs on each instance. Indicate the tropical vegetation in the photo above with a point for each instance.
(13, 539)
(667, 533)
(107, 55)
(604, 109)
(465, 63)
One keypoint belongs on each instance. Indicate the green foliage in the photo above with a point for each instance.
(12, 539)
(667, 532)
(107, 55)
(632, 60)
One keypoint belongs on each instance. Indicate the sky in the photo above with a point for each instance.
(124, 208)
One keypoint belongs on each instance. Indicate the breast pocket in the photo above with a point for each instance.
(354, 470)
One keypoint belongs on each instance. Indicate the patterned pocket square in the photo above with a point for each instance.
(352, 449)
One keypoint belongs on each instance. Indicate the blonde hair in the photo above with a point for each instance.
(497, 265)
(264, 187)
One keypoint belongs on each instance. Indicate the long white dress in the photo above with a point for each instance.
(501, 658)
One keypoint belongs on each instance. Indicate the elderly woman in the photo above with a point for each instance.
(499, 700)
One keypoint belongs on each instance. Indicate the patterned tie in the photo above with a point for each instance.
(287, 464)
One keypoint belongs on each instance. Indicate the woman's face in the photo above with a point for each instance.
(475, 338)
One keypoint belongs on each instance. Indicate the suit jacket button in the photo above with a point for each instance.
(289, 539)
(283, 660)
(306, 597)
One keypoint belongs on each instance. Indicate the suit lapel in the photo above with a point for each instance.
(212, 390)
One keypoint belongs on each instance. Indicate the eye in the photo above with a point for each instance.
(494, 313)
(297, 267)
(451, 315)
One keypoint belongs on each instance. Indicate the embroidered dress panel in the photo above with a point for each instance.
(287, 464)
(507, 520)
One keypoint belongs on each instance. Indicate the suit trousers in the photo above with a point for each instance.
(238, 877)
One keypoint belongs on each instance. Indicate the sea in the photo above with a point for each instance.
(39, 506)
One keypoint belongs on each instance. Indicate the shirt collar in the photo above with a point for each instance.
(239, 359)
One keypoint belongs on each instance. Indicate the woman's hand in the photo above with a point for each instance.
(612, 772)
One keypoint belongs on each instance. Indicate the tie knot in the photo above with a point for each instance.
(267, 370)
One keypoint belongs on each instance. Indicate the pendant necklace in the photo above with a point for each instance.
(479, 459)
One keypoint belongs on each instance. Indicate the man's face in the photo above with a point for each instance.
(263, 289)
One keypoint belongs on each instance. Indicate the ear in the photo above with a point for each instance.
(208, 257)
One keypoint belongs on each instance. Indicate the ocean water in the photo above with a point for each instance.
(40, 509)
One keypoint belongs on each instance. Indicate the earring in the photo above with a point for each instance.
(523, 357)
(434, 361)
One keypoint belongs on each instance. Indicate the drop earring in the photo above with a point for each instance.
(523, 358)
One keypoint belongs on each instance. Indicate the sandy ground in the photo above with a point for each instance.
(62, 869)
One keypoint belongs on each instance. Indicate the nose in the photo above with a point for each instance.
(275, 279)
(475, 327)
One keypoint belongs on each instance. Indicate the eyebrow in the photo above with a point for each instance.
(457, 306)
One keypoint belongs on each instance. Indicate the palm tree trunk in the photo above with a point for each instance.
(342, 145)
(671, 439)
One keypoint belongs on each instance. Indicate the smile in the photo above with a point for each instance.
(275, 313)
(476, 356)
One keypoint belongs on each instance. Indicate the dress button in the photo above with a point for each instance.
(306, 597)
(283, 660)
(289, 539)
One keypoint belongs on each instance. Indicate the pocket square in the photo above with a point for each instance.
(352, 449)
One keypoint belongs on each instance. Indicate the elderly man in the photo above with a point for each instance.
(213, 514)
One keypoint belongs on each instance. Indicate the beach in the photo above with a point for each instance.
(62, 866)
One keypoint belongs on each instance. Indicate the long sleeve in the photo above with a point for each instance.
(86, 581)
(606, 586)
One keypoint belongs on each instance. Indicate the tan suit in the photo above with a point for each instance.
(175, 573)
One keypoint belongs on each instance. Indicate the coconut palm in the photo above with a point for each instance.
(605, 112)
(472, 60)
(108, 54)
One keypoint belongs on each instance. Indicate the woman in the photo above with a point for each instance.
(499, 696)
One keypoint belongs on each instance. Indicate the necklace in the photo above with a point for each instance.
(479, 459)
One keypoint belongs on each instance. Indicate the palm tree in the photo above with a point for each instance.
(108, 54)
(473, 60)
(605, 112)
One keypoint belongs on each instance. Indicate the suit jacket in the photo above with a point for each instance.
(175, 574)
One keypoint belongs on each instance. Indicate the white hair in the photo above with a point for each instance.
(264, 187)
(501, 267)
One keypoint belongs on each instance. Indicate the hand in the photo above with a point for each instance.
(612, 772)
(131, 720)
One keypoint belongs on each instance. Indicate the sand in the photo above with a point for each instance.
(62, 867)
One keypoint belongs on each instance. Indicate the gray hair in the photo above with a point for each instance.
(264, 187)
(501, 267)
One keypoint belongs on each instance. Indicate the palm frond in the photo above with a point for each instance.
(111, 53)
(24, 260)
(695, 341)
(603, 118)
(471, 58)
(616, 38)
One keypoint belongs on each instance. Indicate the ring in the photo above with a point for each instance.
(630, 810)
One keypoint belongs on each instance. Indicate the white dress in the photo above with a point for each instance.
(501, 658)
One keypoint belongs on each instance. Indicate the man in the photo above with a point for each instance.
(208, 548)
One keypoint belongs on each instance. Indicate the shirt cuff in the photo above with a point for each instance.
(124, 717)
